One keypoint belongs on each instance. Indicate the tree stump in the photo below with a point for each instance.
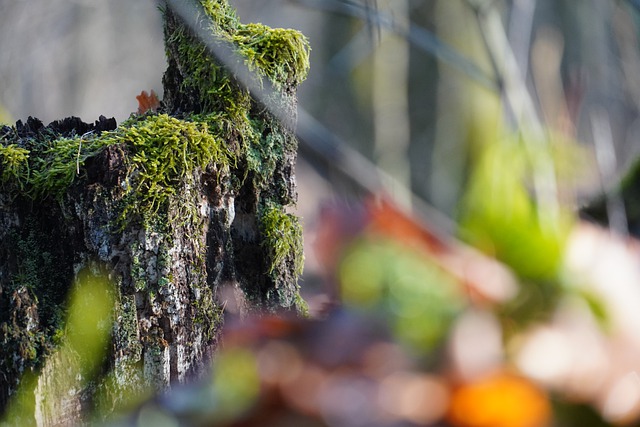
(173, 205)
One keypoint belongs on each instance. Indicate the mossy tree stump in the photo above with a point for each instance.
(173, 204)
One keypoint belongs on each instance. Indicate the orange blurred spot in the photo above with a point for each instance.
(500, 400)
(388, 220)
(147, 102)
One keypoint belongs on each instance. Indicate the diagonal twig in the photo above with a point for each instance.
(316, 141)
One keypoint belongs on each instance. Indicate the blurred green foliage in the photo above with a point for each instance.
(500, 216)
(89, 319)
(236, 382)
(404, 287)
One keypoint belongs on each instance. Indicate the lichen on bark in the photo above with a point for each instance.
(175, 203)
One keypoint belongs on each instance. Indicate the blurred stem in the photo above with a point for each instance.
(520, 28)
(391, 103)
(521, 104)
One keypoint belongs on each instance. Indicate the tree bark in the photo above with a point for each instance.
(184, 209)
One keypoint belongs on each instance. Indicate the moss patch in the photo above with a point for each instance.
(282, 239)
(280, 55)
(165, 150)
(14, 161)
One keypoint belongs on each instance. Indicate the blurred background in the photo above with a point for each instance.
(493, 120)
(417, 87)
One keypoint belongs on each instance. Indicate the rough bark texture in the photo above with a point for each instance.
(173, 205)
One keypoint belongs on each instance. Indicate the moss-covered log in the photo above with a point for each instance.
(173, 204)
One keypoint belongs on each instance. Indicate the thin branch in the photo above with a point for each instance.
(316, 141)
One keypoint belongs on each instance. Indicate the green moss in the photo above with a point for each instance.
(17, 339)
(208, 84)
(301, 305)
(264, 155)
(45, 166)
(223, 16)
(280, 55)
(14, 163)
(164, 150)
(56, 167)
(283, 239)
